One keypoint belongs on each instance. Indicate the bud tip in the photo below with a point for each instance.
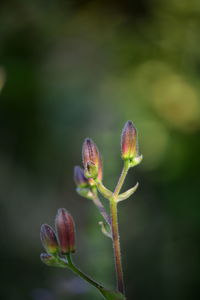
(129, 147)
(65, 228)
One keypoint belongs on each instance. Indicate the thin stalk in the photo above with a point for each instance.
(115, 229)
(82, 275)
(104, 292)
(100, 207)
(121, 179)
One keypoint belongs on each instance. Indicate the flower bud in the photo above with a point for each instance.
(129, 146)
(48, 238)
(79, 177)
(100, 168)
(64, 224)
(91, 159)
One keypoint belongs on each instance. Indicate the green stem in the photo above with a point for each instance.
(82, 275)
(109, 295)
(122, 178)
(115, 229)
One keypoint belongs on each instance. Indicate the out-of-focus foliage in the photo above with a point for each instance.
(71, 69)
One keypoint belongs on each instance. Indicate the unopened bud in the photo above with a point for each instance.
(91, 159)
(64, 224)
(79, 177)
(48, 238)
(129, 146)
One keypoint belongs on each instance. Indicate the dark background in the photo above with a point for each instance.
(72, 69)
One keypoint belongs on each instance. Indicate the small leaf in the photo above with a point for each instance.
(104, 230)
(112, 295)
(106, 193)
(91, 170)
(85, 192)
(135, 161)
(128, 193)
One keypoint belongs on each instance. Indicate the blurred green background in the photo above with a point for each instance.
(72, 69)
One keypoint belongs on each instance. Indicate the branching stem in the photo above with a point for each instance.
(81, 274)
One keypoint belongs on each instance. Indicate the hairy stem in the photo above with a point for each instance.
(115, 229)
(116, 246)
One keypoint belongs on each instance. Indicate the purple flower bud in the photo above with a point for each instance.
(91, 155)
(79, 177)
(49, 239)
(129, 146)
(65, 228)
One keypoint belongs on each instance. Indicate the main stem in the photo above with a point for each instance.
(115, 229)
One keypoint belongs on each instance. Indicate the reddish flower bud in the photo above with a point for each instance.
(129, 146)
(64, 224)
(48, 238)
(79, 177)
(91, 156)
(100, 168)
